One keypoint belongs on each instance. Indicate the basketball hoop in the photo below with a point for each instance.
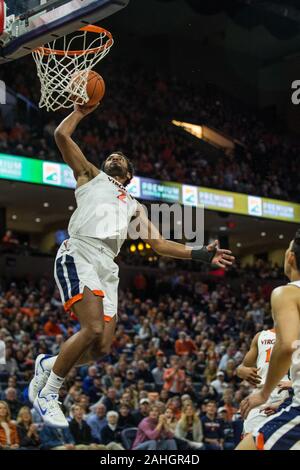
(60, 62)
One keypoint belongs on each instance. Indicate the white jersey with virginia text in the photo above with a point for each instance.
(295, 367)
(265, 343)
(104, 210)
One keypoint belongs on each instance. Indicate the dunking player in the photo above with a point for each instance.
(85, 271)
(254, 369)
(282, 430)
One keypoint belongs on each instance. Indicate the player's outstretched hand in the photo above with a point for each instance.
(222, 258)
(85, 109)
(252, 401)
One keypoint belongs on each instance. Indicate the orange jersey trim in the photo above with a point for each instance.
(76, 298)
(260, 442)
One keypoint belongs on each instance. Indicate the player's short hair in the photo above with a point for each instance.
(129, 165)
(296, 248)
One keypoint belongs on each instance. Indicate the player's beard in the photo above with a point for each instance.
(115, 169)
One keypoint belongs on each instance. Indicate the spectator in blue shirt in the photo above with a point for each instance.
(97, 421)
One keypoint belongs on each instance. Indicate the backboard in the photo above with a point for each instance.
(25, 25)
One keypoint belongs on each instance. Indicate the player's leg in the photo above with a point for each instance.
(248, 443)
(89, 311)
(101, 348)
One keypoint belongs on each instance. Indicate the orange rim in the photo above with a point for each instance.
(89, 28)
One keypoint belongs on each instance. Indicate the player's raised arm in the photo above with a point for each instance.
(211, 254)
(70, 151)
(248, 370)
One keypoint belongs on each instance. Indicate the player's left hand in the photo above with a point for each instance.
(222, 258)
(252, 401)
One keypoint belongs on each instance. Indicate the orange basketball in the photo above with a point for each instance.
(95, 87)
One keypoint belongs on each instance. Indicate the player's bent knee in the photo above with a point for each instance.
(93, 332)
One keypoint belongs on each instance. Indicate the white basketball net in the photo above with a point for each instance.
(63, 70)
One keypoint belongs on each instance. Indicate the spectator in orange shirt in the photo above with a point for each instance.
(9, 438)
(51, 328)
(174, 377)
(184, 345)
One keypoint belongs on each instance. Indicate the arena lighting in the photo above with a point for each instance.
(281, 237)
(263, 234)
(141, 246)
(132, 248)
(148, 246)
(239, 245)
(193, 129)
(37, 220)
(71, 208)
(46, 204)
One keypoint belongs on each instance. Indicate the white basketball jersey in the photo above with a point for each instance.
(295, 367)
(104, 210)
(265, 343)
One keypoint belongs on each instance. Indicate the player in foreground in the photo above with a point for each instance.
(254, 369)
(282, 430)
(85, 271)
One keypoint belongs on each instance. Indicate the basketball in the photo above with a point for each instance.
(95, 87)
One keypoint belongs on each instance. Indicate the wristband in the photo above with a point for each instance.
(203, 255)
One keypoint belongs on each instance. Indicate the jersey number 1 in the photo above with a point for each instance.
(268, 351)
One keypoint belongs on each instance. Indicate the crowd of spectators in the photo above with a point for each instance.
(169, 382)
(136, 115)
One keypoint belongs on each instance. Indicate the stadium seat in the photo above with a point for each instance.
(127, 437)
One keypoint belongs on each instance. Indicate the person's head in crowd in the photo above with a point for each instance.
(160, 361)
(174, 403)
(12, 381)
(110, 370)
(228, 396)
(112, 393)
(117, 382)
(174, 362)
(24, 416)
(126, 398)
(77, 412)
(169, 414)
(186, 398)
(84, 402)
(144, 406)
(164, 395)
(221, 376)
(130, 376)
(100, 410)
(182, 336)
(124, 411)
(222, 413)
(230, 367)
(188, 416)
(161, 406)
(92, 371)
(112, 419)
(154, 413)
(211, 409)
(10, 394)
(4, 412)
(140, 385)
(142, 365)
